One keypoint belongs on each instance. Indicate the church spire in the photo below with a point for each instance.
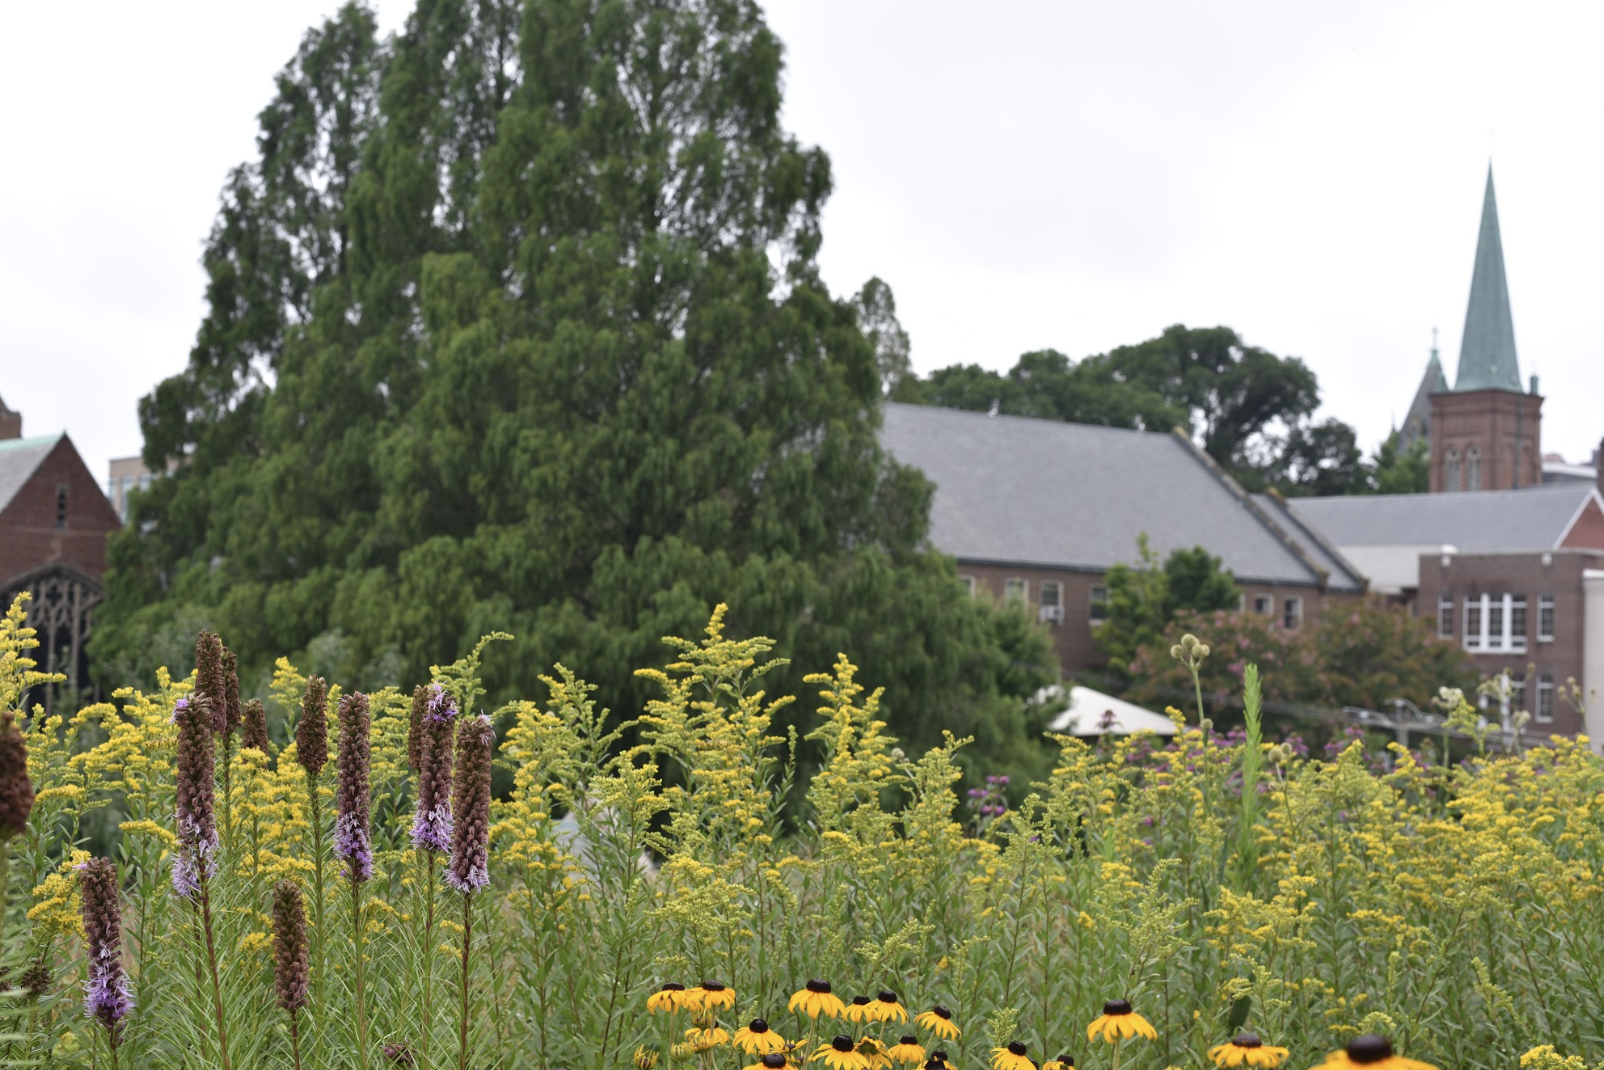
(1487, 350)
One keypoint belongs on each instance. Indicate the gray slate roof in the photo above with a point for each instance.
(18, 459)
(1487, 348)
(1494, 521)
(1344, 576)
(1016, 490)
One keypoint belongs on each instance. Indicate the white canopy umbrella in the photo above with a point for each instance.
(1092, 713)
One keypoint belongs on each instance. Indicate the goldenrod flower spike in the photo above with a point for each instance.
(885, 1008)
(1118, 1021)
(1012, 1057)
(841, 1054)
(669, 998)
(907, 1051)
(1372, 1052)
(1247, 1050)
(815, 999)
(938, 1020)
(756, 1038)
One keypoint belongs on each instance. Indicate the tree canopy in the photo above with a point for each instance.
(516, 323)
(1144, 598)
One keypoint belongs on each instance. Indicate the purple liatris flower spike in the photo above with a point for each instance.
(16, 790)
(420, 698)
(431, 827)
(231, 707)
(253, 731)
(210, 678)
(312, 730)
(352, 840)
(194, 812)
(106, 996)
(292, 963)
(470, 804)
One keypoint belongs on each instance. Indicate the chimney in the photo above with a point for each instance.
(10, 423)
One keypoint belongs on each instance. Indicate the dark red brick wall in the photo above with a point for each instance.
(29, 537)
(1588, 531)
(1505, 427)
(1075, 639)
(1533, 575)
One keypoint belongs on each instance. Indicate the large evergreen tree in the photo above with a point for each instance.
(516, 324)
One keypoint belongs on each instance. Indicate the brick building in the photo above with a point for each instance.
(54, 520)
(1039, 510)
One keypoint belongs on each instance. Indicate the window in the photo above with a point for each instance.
(1545, 697)
(969, 584)
(1016, 589)
(1263, 603)
(1445, 617)
(1451, 469)
(1099, 606)
(1473, 469)
(1517, 693)
(1052, 601)
(1241, 601)
(1473, 622)
(1545, 619)
(1292, 613)
(1495, 622)
(61, 506)
(1517, 620)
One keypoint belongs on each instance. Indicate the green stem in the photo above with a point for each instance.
(467, 943)
(320, 959)
(361, 1002)
(1114, 1062)
(211, 961)
(428, 957)
(295, 1040)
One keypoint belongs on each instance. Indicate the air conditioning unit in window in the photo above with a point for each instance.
(1053, 613)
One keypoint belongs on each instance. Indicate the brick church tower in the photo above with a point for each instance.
(1485, 432)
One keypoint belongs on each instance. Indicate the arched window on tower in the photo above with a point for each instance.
(1451, 470)
(1473, 469)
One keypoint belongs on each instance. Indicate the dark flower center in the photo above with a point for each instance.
(1066, 1060)
(1248, 1040)
(774, 1060)
(712, 986)
(940, 1012)
(935, 1064)
(842, 1042)
(886, 997)
(907, 1039)
(758, 1026)
(1117, 1006)
(673, 986)
(1016, 1048)
(818, 986)
(860, 1001)
(1369, 1048)
(939, 1055)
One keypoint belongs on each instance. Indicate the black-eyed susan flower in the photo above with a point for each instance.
(1012, 1057)
(815, 999)
(1063, 1062)
(1118, 1021)
(710, 995)
(774, 1060)
(841, 1054)
(671, 997)
(645, 1058)
(936, 1064)
(704, 1039)
(885, 1008)
(1373, 1052)
(1247, 1050)
(907, 1051)
(756, 1038)
(938, 1020)
(857, 1010)
(874, 1050)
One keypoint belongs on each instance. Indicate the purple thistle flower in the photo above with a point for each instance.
(194, 811)
(352, 840)
(106, 995)
(431, 826)
(470, 802)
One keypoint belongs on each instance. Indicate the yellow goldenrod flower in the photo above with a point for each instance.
(907, 1051)
(816, 999)
(938, 1020)
(645, 1058)
(1247, 1050)
(1119, 1021)
(756, 1038)
(841, 1054)
(706, 1039)
(671, 997)
(885, 1008)
(1012, 1057)
(874, 1050)
(1063, 1062)
(857, 1010)
(710, 995)
(1373, 1052)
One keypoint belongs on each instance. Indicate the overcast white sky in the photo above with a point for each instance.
(1025, 175)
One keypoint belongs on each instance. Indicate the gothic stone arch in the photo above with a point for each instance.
(62, 613)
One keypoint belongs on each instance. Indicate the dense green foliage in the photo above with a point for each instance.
(516, 324)
(1145, 598)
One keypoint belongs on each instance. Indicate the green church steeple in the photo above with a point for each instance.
(1487, 350)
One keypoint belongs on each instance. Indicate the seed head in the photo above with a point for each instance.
(470, 805)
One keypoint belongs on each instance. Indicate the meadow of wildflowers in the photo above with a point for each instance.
(695, 888)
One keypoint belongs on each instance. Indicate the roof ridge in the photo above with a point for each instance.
(36, 440)
(1044, 420)
(1321, 575)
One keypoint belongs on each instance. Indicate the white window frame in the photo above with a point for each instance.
(1483, 637)
(1097, 599)
(1264, 604)
(1016, 588)
(1445, 617)
(1545, 618)
(1292, 611)
(1057, 589)
(969, 583)
(1544, 713)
